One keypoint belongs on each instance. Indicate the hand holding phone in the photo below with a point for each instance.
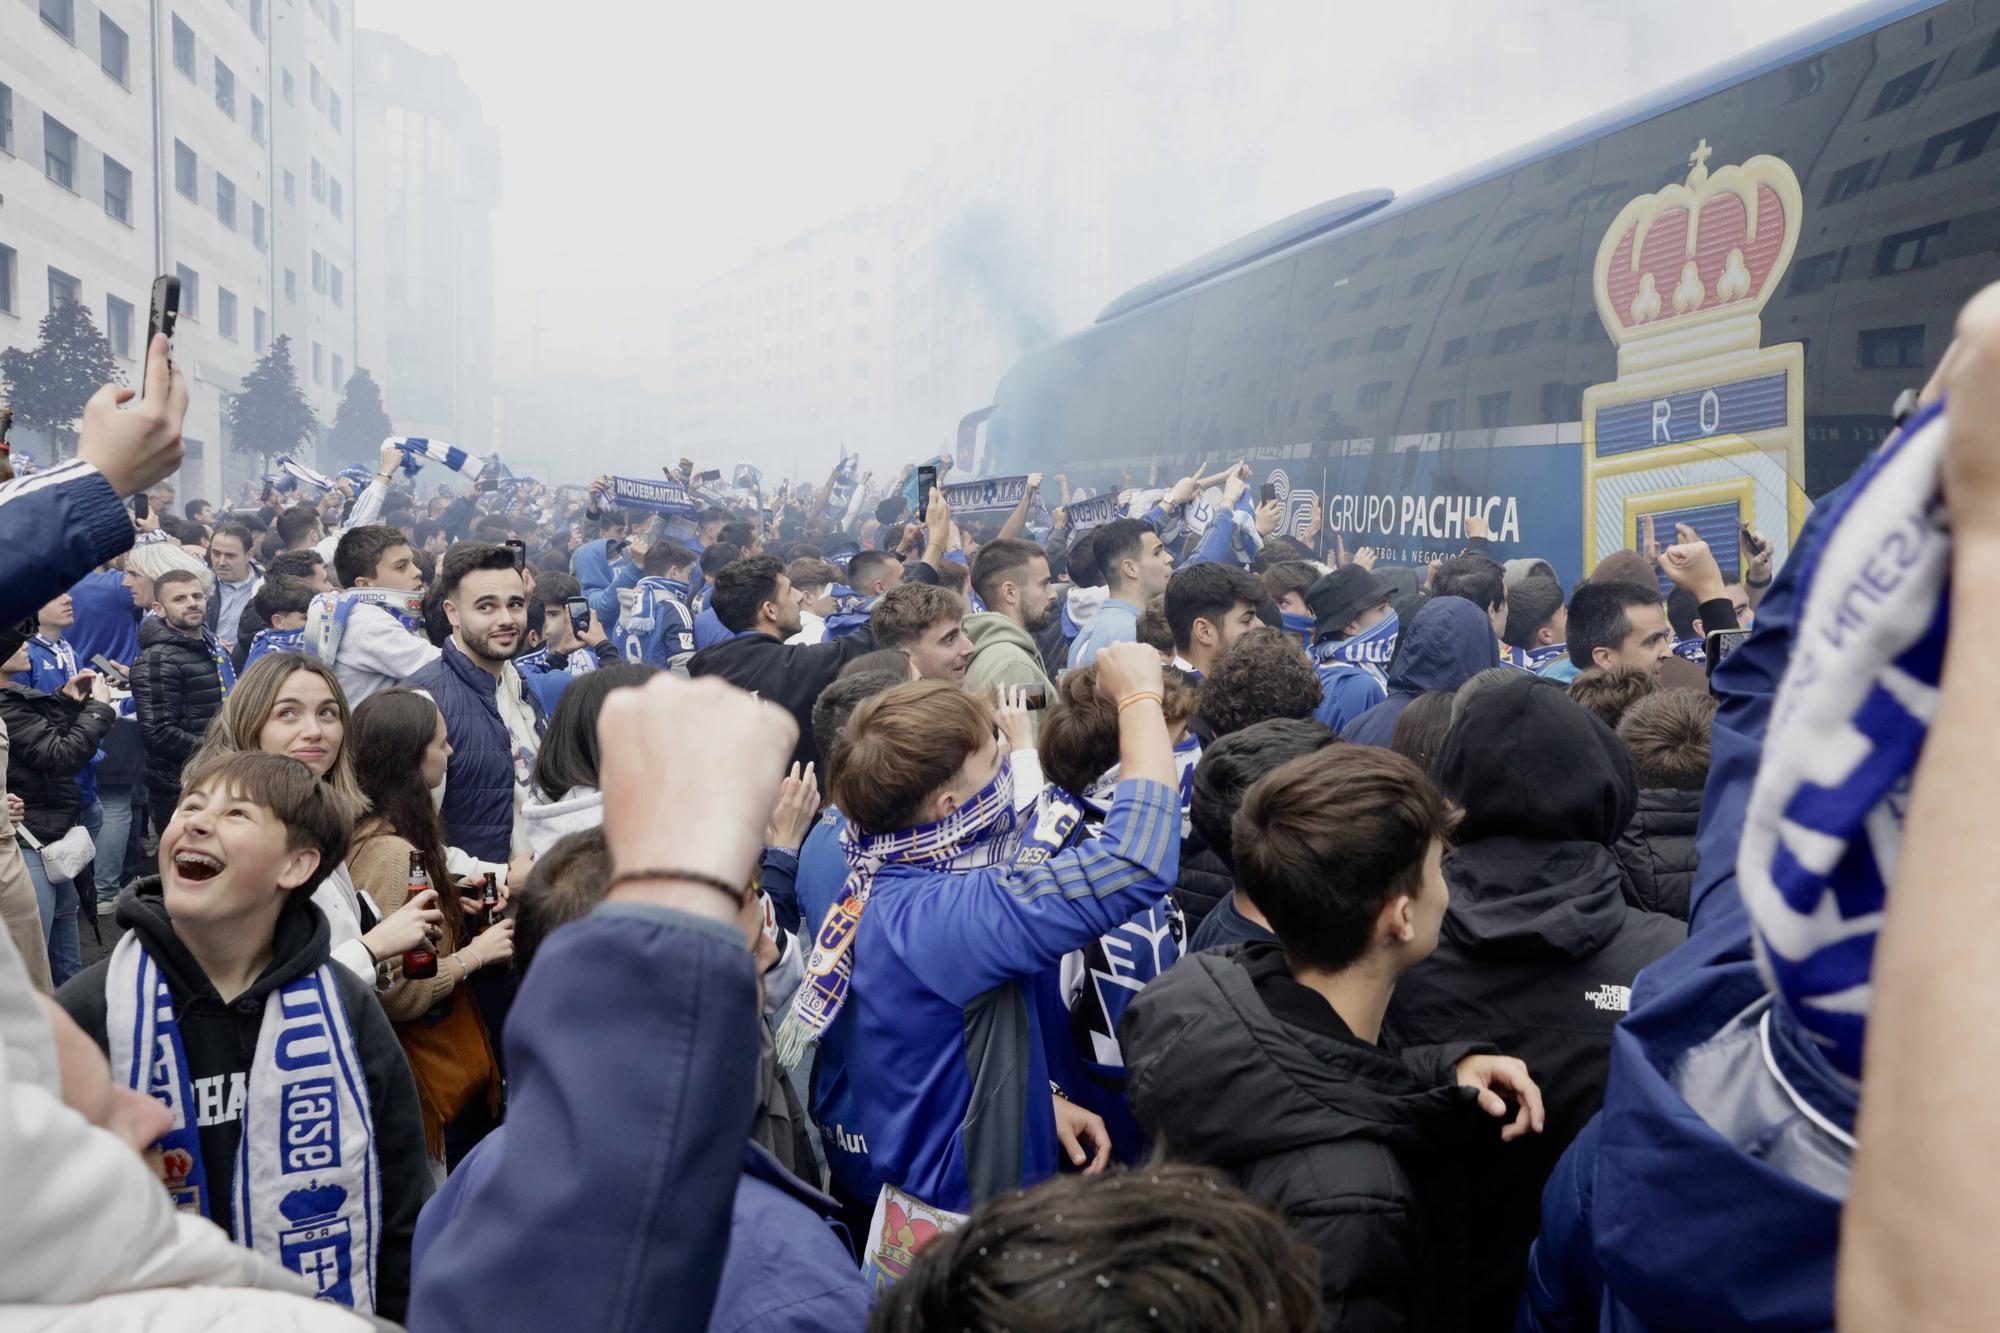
(579, 615)
(111, 671)
(927, 476)
(1267, 493)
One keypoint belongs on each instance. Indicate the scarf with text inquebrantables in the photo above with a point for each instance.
(1823, 831)
(308, 1186)
(983, 832)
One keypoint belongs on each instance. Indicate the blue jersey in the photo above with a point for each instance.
(660, 628)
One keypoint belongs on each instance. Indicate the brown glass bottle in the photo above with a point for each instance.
(420, 963)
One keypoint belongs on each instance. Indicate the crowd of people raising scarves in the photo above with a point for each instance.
(539, 907)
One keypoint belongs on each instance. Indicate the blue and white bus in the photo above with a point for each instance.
(1699, 308)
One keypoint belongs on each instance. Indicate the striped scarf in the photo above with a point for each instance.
(418, 451)
(1373, 646)
(1823, 831)
(981, 833)
(327, 617)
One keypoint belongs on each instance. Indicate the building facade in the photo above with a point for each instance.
(568, 429)
(430, 179)
(138, 139)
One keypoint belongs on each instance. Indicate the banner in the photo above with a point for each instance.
(991, 495)
(1092, 513)
(662, 497)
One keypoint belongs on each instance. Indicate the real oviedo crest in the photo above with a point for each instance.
(1704, 424)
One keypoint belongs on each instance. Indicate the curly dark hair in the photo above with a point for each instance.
(1167, 1248)
(1265, 675)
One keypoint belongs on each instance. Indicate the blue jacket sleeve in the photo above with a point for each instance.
(1014, 922)
(55, 527)
(1215, 542)
(1565, 1284)
(628, 1166)
(778, 876)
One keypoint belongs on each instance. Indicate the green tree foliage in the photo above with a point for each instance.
(360, 425)
(47, 387)
(269, 415)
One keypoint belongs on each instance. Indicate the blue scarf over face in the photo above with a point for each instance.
(1300, 626)
(1373, 646)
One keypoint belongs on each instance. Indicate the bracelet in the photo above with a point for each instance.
(720, 885)
(1753, 583)
(1131, 699)
(464, 973)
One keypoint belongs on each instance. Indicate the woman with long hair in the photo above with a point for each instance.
(400, 750)
(565, 798)
(291, 705)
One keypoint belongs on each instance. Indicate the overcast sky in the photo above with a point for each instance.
(650, 145)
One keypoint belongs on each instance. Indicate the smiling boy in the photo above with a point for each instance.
(296, 1126)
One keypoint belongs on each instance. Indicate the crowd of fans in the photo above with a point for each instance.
(522, 912)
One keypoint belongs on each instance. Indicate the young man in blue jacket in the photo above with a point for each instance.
(952, 913)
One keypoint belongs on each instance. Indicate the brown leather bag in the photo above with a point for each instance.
(452, 1060)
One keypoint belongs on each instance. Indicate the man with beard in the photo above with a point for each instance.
(178, 684)
(1011, 577)
(491, 717)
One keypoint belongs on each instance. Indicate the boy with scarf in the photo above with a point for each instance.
(371, 633)
(1355, 632)
(280, 605)
(953, 913)
(659, 630)
(295, 1123)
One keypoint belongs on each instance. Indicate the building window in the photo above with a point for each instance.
(117, 190)
(291, 286)
(6, 119)
(338, 283)
(313, 86)
(1513, 338)
(333, 107)
(1849, 181)
(1899, 348)
(1443, 416)
(1338, 350)
(1493, 409)
(190, 291)
(318, 181)
(291, 90)
(1425, 281)
(1367, 299)
(7, 264)
(333, 196)
(1454, 351)
(319, 364)
(58, 152)
(225, 312)
(1991, 59)
(225, 200)
(1900, 91)
(184, 171)
(1815, 273)
(60, 15)
(114, 48)
(257, 224)
(261, 324)
(257, 119)
(118, 325)
(1389, 339)
(339, 371)
(291, 188)
(1520, 226)
(1476, 289)
(1955, 146)
(183, 47)
(1372, 395)
(1543, 271)
(319, 272)
(1921, 247)
(257, 17)
(63, 288)
(225, 89)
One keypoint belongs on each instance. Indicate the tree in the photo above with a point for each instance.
(269, 415)
(360, 425)
(47, 387)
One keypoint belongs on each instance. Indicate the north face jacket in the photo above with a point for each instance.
(177, 687)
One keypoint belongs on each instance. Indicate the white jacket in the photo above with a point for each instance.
(546, 821)
(377, 652)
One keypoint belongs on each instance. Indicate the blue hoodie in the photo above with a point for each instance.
(601, 578)
(1655, 1218)
(1445, 644)
(660, 630)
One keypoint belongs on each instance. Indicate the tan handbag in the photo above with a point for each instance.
(452, 1060)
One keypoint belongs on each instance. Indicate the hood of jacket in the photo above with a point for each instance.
(154, 630)
(990, 627)
(580, 808)
(1523, 760)
(299, 942)
(1082, 605)
(1205, 1054)
(1444, 645)
(591, 565)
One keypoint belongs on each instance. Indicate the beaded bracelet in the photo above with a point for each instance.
(720, 885)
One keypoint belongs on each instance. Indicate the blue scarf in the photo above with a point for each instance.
(1691, 650)
(1373, 646)
(1541, 657)
(270, 641)
(327, 617)
(850, 612)
(1300, 626)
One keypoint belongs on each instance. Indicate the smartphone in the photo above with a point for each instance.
(579, 614)
(109, 670)
(1267, 492)
(486, 485)
(1750, 541)
(926, 483)
(713, 474)
(520, 550)
(1721, 643)
(141, 508)
(166, 308)
(1035, 696)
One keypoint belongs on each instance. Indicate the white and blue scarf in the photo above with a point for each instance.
(327, 617)
(308, 1187)
(1823, 831)
(317, 480)
(983, 832)
(418, 451)
(268, 641)
(850, 612)
(1373, 646)
(1539, 658)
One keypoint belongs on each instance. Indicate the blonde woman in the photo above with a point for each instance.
(290, 705)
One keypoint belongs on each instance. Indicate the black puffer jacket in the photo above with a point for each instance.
(51, 739)
(1241, 1068)
(1539, 948)
(1657, 849)
(1204, 881)
(176, 688)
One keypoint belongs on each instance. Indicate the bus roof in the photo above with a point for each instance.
(1324, 222)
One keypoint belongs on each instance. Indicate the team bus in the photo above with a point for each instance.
(1699, 308)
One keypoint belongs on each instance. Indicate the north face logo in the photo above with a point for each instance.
(1618, 998)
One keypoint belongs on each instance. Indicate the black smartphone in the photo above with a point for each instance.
(110, 671)
(1721, 643)
(1750, 541)
(926, 483)
(579, 614)
(520, 550)
(1035, 696)
(486, 485)
(166, 309)
(141, 508)
(1267, 492)
(713, 474)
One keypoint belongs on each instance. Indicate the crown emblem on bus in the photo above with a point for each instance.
(1699, 254)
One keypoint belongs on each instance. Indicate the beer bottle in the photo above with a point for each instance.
(420, 963)
(489, 901)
